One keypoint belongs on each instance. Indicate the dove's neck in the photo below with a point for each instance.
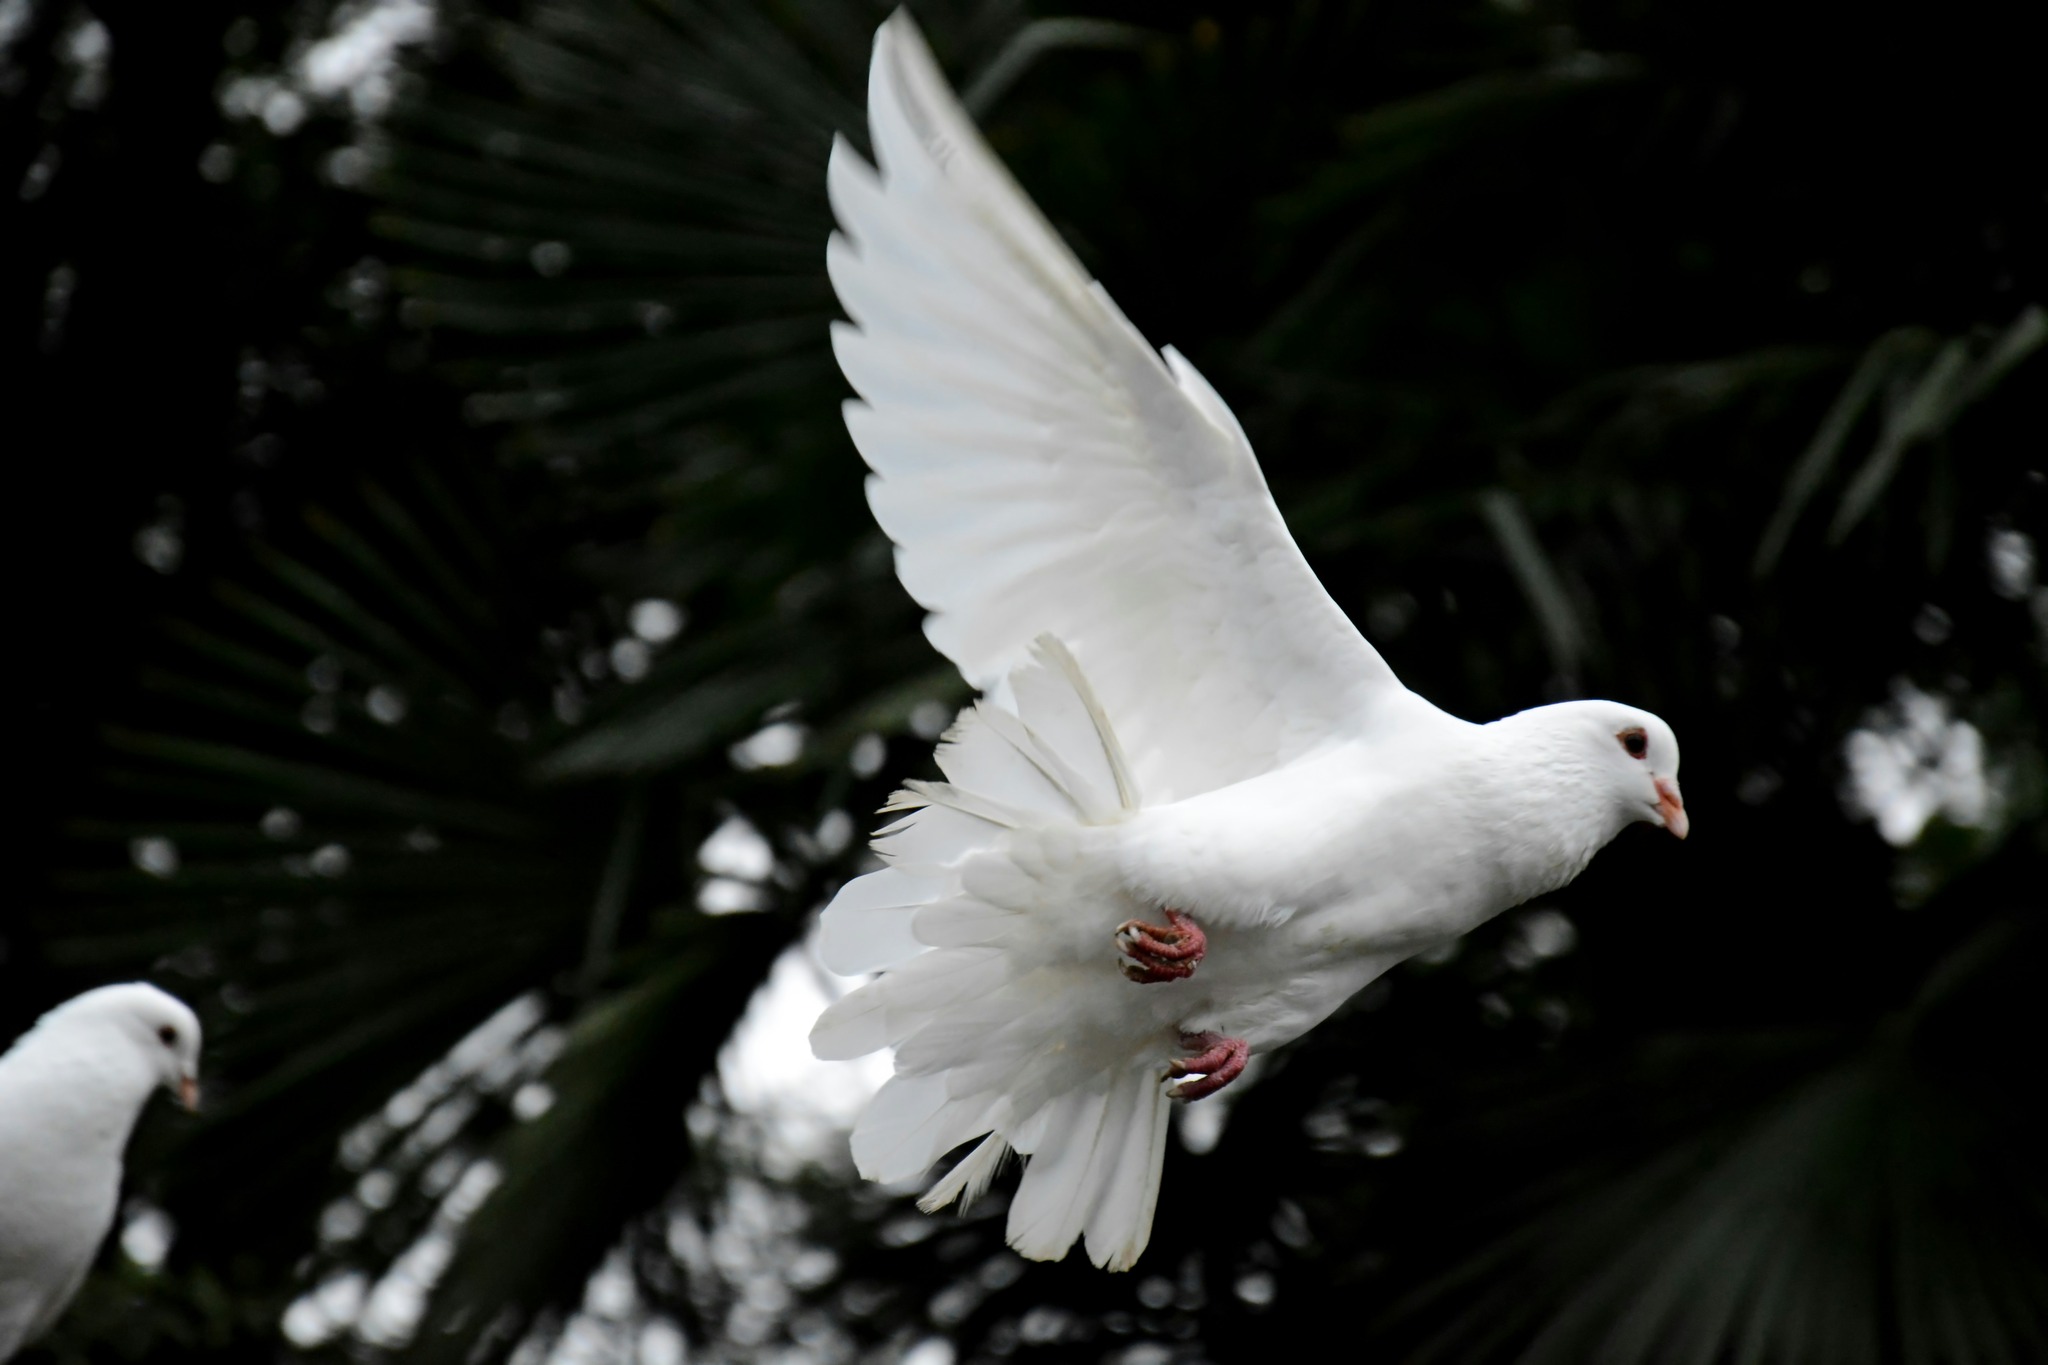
(85, 1083)
(1553, 806)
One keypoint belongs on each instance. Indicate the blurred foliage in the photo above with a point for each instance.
(1687, 354)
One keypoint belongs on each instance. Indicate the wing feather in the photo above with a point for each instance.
(1043, 470)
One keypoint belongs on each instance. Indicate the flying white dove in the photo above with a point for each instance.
(71, 1089)
(1194, 810)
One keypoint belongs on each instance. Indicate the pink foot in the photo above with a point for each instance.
(1168, 952)
(1218, 1062)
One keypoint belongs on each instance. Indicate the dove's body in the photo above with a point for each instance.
(1177, 716)
(70, 1092)
(1313, 879)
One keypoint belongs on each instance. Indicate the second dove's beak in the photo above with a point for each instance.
(188, 1092)
(1671, 806)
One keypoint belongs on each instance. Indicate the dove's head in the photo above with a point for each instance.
(1622, 757)
(157, 1027)
(1637, 756)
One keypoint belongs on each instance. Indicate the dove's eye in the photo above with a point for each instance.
(1635, 741)
(169, 1035)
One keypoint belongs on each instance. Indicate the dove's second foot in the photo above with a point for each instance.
(1161, 952)
(1217, 1062)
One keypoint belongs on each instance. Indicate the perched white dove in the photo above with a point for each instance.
(1194, 810)
(71, 1089)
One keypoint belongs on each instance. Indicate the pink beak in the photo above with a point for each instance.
(188, 1092)
(1671, 806)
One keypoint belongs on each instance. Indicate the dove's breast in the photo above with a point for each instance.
(59, 1185)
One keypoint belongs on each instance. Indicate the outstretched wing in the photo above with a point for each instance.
(1042, 469)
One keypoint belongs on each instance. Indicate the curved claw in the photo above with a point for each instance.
(1161, 952)
(1219, 1061)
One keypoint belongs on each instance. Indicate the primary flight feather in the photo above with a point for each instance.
(1194, 810)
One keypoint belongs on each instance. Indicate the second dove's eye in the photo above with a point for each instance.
(1635, 741)
(169, 1035)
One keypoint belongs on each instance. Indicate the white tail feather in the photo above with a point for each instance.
(870, 926)
(967, 802)
(969, 1180)
(998, 994)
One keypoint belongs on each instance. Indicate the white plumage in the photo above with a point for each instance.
(71, 1089)
(1175, 715)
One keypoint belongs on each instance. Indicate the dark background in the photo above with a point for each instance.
(1688, 354)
